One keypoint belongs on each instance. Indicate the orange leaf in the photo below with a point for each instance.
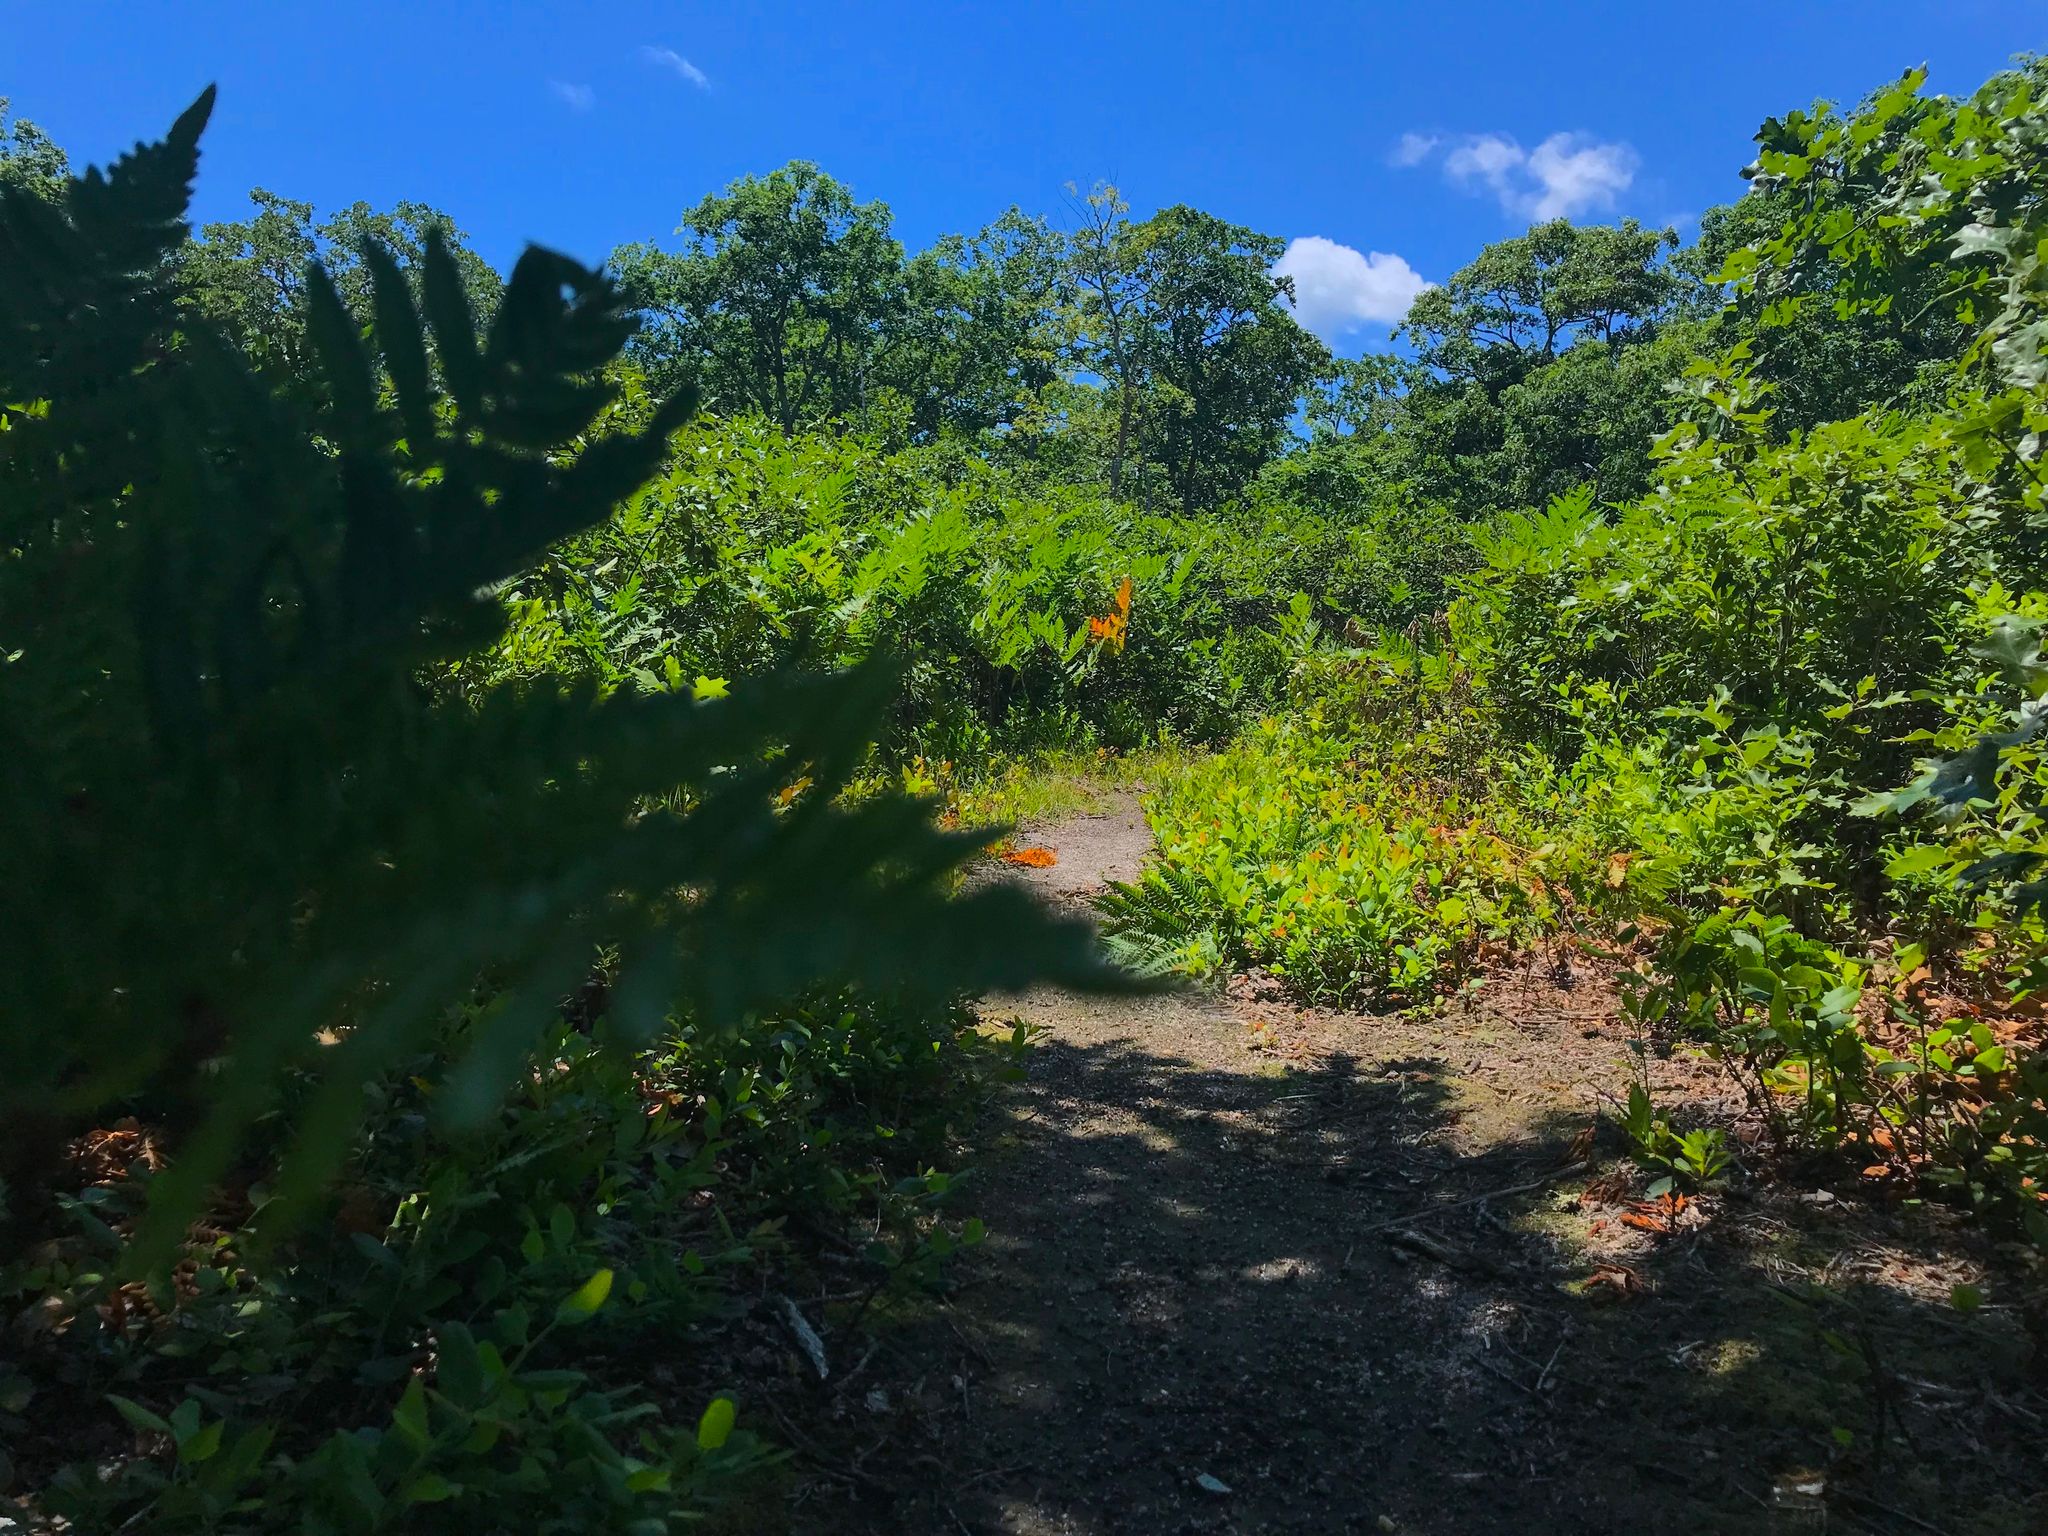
(1114, 627)
(1032, 858)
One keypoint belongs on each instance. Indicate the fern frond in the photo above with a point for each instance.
(238, 818)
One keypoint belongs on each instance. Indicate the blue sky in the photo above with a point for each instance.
(1390, 141)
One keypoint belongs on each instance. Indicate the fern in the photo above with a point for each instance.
(235, 820)
(1152, 926)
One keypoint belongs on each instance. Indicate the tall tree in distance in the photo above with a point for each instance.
(978, 338)
(1522, 302)
(1227, 363)
(1541, 365)
(1177, 319)
(1109, 313)
(29, 160)
(780, 300)
(249, 276)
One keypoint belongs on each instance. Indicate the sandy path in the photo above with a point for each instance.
(1196, 1310)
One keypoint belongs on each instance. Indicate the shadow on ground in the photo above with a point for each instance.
(1196, 1311)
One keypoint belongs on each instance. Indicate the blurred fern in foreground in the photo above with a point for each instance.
(245, 846)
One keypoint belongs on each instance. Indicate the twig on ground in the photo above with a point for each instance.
(831, 1466)
(1430, 1213)
(1495, 1371)
(862, 1364)
(1444, 1253)
(1885, 1509)
(973, 1348)
(805, 1335)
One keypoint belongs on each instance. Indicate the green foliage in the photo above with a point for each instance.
(458, 937)
(778, 301)
(1221, 364)
(1538, 367)
(1698, 1156)
(979, 343)
(1821, 366)
(304, 910)
(1987, 792)
(1691, 716)
(1801, 577)
(248, 279)
(467, 1317)
(753, 551)
(1347, 873)
(1157, 346)
(29, 160)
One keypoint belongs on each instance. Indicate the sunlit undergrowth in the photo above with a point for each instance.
(1051, 786)
(1776, 723)
(1371, 862)
(1027, 620)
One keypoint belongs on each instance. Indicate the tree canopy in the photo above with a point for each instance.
(249, 277)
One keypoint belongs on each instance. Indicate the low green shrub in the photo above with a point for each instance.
(436, 1339)
(754, 551)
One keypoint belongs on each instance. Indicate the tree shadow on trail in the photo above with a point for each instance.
(1197, 1311)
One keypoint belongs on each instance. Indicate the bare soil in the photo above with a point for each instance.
(1254, 1268)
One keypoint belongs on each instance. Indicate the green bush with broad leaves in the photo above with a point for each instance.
(753, 551)
(1779, 720)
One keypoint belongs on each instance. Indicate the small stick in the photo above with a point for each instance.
(1885, 1509)
(974, 1348)
(847, 1380)
(1431, 1212)
(831, 1466)
(1540, 1380)
(1493, 1370)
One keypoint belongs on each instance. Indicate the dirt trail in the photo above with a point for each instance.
(1259, 1269)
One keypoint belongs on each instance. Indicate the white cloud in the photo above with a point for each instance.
(1566, 175)
(1414, 148)
(1338, 289)
(1576, 173)
(668, 58)
(1491, 158)
(577, 98)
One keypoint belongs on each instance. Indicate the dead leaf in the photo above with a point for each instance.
(1612, 1282)
(1611, 1188)
(1032, 858)
(1658, 1215)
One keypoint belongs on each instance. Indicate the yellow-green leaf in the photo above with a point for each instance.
(715, 1428)
(582, 1303)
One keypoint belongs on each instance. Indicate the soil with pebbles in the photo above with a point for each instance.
(1259, 1268)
